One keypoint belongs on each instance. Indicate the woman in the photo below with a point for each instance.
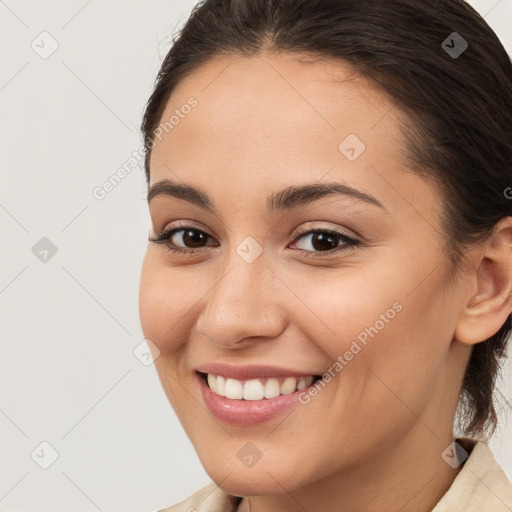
(329, 274)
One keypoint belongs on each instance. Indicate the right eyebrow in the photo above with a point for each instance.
(188, 193)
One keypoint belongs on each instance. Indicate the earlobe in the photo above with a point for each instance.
(490, 299)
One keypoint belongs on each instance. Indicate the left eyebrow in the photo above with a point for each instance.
(291, 197)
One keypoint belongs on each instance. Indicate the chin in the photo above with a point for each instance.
(262, 478)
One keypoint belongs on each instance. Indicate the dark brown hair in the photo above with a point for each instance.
(458, 106)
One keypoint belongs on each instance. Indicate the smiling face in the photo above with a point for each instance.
(296, 280)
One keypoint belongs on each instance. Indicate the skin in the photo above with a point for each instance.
(372, 439)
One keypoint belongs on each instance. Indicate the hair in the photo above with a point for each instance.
(457, 128)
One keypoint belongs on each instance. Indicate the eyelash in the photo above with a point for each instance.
(350, 243)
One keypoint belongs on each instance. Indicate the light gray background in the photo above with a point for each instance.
(69, 325)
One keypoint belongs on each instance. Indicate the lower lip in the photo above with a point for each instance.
(247, 412)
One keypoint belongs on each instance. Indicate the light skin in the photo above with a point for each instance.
(373, 438)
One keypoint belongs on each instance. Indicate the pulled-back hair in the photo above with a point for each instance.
(458, 106)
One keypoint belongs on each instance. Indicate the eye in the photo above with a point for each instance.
(183, 239)
(316, 241)
(312, 243)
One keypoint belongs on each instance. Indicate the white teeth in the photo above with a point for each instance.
(302, 383)
(288, 386)
(254, 389)
(271, 388)
(233, 389)
(212, 382)
(221, 385)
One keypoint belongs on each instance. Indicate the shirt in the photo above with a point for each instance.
(480, 486)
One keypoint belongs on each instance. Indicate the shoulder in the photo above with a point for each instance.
(210, 498)
(481, 485)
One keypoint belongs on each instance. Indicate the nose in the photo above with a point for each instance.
(245, 302)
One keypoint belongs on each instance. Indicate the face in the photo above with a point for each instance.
(346, 280)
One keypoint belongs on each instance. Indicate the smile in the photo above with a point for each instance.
(256, 389)
(247, 403)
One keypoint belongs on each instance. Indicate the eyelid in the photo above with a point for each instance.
(181, 224)
(308, 228)
(164, 235)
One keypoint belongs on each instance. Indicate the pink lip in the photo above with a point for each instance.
(246, 412)
(246, 372)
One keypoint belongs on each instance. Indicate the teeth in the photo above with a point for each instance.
(288, 386)
(233, 389)
(253, 390)
(212, 382)
(256, 389)
(272, 388)
(220, 387)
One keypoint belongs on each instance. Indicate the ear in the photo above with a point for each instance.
(489, 297)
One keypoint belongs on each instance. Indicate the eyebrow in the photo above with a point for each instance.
(290, 197)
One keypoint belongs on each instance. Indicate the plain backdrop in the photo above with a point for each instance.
(76, 394)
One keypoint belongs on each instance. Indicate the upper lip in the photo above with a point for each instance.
(250, 371)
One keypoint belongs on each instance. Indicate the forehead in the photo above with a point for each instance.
(265, 122)
(284, 99)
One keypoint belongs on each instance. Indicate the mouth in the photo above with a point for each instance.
(257, 389)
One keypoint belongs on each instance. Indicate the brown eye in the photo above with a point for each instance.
(323, 241)
(192, 238)
(182, 239)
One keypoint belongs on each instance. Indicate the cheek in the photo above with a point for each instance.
(350, 307)
(397, 305)
(389, 343)
(166, 302)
